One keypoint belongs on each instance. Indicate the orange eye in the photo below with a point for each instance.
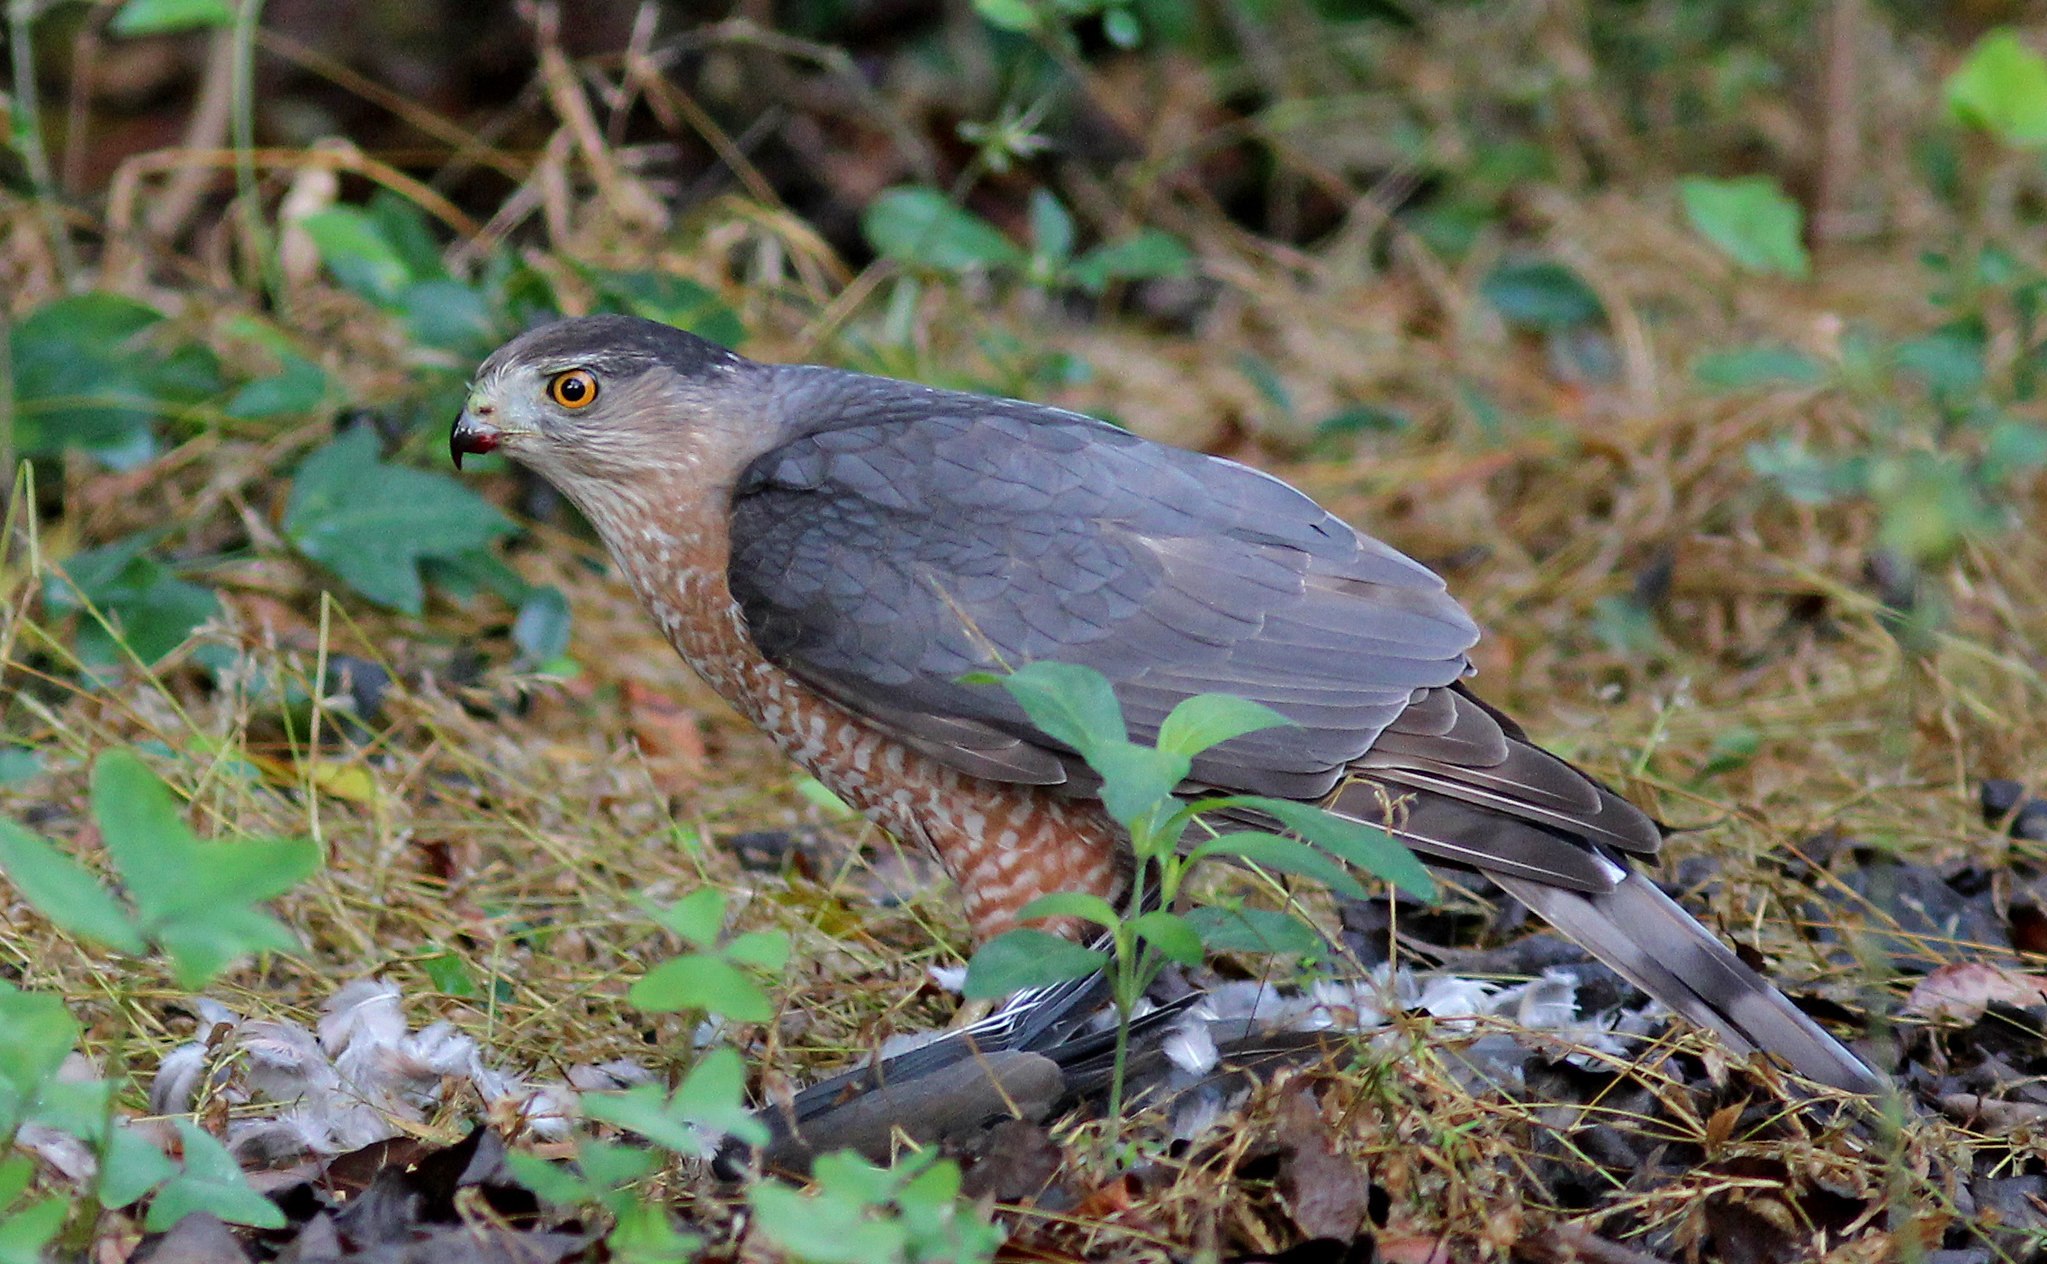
(574, 389)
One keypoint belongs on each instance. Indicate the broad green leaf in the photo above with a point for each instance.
(1145, 255)
(1170, 934)
(698, 981)
(696, 918)
(130, 1167)
(1366, 846)
(24, 1234)
(297, 389)
(193, 899)
(1211, 719)
(143, 828)
(81, 383)
(818, 1230)
(39, 1034)
(372, 524)
(714, 1095)
(761, 949)
(1081, 904)
(921, 227)
(210, 1181)
(1027, 958)
(711, 1097)
(556, 1184)
(1751, 220)
(1254, 930)
(1068, 703)
(356, 249)
(1541, 294)
(1135, 779)
(165, 17)
(447, 315)
(65, 891)
(147, 607)
(1285, 855)
(2002, 88)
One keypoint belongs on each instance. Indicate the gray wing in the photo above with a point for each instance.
(913, 536)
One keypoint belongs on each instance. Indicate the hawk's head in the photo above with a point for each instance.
(609, 397)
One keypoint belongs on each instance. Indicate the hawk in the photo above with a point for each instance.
(833, 552)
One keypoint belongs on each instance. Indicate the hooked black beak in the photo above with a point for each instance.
(472, 435)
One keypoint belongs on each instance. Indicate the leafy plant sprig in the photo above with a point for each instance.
(1142, 790)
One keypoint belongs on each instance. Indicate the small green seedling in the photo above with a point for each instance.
(1142, 788)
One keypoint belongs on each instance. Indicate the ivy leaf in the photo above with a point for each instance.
(130, 1167)
(149, 609)
(1149, 254)
(372, 524)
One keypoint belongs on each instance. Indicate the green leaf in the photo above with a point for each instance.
(1136, 779)
(1751, 220)
(696, 918)
(711, 1096)
(698, 981)
(921, 227)
(672, 300)
(355, 248)
(1051, 228)
(210, 1181)
(25, 1233)
(297, 389)
(143, 829)
(130, 1167)
(372, 524)
(1254, 930)
(541, 630)
(1210, 719)
(1748, 368)
(2002, 88)
(65, 891)
(151, 611)
(36, 1034)
(1365, 846)
(1170, 934)
(1069, 703)
(1284, 855)
(81, 384)
(1009, 15)
(1080, 904)
(761, 949)
(447, 315)
(1149, 254)
(1541, 295)
(165, 17)
(194, 899)
(1027, 958)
